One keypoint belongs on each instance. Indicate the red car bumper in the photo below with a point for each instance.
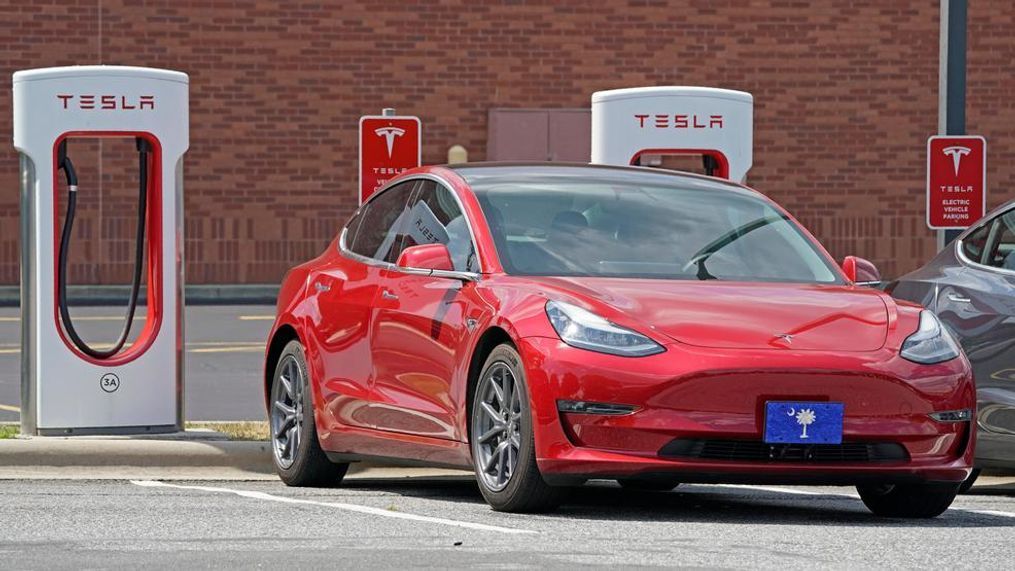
(700, 415)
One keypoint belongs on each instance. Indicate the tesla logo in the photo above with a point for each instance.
(389, 134)
(666, 121)
(107, 102)
(956, 153)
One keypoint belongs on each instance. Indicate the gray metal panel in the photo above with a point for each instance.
(29, 375)
(517, 135)
(570, 135)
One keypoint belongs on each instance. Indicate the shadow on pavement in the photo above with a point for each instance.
(696, 503)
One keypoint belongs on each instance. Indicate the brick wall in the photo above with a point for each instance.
(845, 91)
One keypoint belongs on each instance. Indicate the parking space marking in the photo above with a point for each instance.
(337, 505)
(230, 349)
(195, 347)
(256, 317)
(7, 319)
(9, 408)
(779, 490)
(852, 496)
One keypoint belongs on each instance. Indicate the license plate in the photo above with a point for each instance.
(803, 422)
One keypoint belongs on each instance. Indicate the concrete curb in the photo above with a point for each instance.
(192, 455)
(205, 294)
(86, 452)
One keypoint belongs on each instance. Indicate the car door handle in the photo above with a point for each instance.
(322, 287)
(387, 294)
(958, 298)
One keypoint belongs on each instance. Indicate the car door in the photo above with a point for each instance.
(978, 304)
(345, 290)
(421, 333)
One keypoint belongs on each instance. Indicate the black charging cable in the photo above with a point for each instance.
(64, 163)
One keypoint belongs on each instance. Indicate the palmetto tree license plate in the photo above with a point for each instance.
(803, 422)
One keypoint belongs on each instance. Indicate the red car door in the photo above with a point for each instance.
(345, 289)
(421, 335)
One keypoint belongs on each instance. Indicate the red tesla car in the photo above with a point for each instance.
(548, 324)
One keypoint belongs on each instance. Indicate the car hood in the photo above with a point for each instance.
(742, 315)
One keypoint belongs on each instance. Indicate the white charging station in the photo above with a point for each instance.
(628, 124)
(69, 387)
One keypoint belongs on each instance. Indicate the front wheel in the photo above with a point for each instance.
(502, 442)
(924, 500)
(299, 459)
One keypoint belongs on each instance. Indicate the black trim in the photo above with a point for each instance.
(758, 451)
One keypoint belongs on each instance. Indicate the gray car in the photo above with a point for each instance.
(971, 287)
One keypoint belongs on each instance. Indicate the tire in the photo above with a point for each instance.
(967, 484)
(296, 452)
(924, 500)
(648, 485)
(513, 483)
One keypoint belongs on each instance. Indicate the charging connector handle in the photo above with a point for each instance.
(64, 163)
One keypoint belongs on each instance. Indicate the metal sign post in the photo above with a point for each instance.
(952, 82)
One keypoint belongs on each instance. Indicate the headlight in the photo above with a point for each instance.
(931, 343)
(586, 330)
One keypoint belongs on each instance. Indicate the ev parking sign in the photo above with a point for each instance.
(956, 181)
(388, 146)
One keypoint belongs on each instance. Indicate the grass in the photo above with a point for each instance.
(9, 431)
(245, 430)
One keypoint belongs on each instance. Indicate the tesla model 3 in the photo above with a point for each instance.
(548, 324)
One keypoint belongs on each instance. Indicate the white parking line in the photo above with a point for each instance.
(852, 496)
(336, 505)
(778, 490)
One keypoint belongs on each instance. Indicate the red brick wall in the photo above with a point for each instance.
(846, 94)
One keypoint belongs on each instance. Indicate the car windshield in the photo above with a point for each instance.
(614, 223)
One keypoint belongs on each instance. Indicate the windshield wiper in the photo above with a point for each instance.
(701, 256)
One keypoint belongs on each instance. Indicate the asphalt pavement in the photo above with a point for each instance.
(224, 349)
(443, 523)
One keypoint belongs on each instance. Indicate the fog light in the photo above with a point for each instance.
(952, 415)
(583, 407)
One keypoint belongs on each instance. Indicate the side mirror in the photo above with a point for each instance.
(860, 271)
(426, 257)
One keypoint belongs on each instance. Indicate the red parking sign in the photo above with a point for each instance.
(388, 146)
(956, 181)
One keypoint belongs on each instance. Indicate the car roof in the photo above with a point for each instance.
(471, 172)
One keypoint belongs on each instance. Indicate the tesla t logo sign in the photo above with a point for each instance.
(956, 181)
(388, 146)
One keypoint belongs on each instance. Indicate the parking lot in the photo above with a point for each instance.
(225, 345)
(390, 517)
(443, 522)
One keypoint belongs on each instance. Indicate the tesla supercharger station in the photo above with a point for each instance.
(68, 385)
(718, 124)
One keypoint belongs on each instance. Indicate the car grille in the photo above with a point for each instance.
(757, 451)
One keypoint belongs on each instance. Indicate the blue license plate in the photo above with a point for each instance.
(803, 422)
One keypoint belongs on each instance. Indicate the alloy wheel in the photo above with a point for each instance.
(287, 411)
(496, 425)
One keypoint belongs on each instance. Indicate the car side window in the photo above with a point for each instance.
(379, 224)
(435, 217)
(974, 244)
(1001, 246)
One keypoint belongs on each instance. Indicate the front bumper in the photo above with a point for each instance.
(718, 395)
